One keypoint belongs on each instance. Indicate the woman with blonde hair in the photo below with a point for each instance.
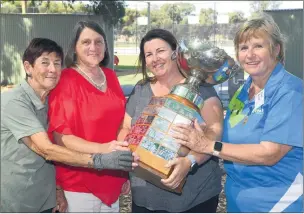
(262, 142)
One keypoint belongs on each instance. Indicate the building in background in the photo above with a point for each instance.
(290, 23)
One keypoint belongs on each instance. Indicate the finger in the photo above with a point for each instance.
(121, 148)
(54, 209)
(197, 125)
(126, 158)
(65, 207)
(176, 185)
(171, 163)
(181, 136)
(135, 156)
(174, 177)
(180, 128)
(134, 165)
(125, 163)
(167, 183)
(62, 209)
(182, 142)
(122, 143)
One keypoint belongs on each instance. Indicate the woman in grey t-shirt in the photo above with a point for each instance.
(203, 185)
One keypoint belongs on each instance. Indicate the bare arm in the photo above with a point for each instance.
(125, 127)
(265, 153)
(41, 144)
(80, 145)
(117, 160)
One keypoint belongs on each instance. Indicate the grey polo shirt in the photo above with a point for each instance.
(27, 179)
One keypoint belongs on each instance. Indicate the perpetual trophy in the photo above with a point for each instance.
(150, 137)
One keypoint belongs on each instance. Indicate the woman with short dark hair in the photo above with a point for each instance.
(27, 173)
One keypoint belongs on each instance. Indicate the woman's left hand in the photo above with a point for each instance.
(182, 166)
(61, 202)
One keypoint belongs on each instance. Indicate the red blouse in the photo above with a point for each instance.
(77, 108)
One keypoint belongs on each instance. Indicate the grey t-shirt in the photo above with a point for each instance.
(27, 180)
(204, 184)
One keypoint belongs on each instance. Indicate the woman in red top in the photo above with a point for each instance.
(86, 110)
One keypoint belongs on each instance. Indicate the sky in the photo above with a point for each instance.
(222, 7)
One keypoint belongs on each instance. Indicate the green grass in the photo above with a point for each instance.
(127, 60)
(129, 79)
(125, 45)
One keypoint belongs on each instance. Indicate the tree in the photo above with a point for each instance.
(176, 12)
(61, 7)
(7, 7)
(236, 17)
(259, 6)
(207, 16)
(130, 16)
(113, 10)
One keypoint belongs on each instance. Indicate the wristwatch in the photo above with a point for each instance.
(218, 145)
(193, 162)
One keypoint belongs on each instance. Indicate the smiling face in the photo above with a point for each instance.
(90, 48)
(255, 55)
(158, 57)
(45, 71)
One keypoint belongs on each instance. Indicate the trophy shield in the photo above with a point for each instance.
(151, 135)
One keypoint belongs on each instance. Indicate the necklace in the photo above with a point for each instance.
(99, 86)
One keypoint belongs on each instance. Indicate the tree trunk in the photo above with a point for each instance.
(24, 6)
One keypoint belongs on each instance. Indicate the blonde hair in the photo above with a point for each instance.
(261, 24)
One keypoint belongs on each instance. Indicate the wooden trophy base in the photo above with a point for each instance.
(152, 169)
(151, 137)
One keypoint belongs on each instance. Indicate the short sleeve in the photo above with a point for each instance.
(284, 122)
(20, 118)
(132, 100)
(207, 92)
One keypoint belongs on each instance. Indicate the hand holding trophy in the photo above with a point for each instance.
(151, 136)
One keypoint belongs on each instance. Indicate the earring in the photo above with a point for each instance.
(173, 56)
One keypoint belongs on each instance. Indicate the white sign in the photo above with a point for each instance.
(222, 19)
(143, 20)
(193, 20)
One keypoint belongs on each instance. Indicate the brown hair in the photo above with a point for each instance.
(261, 24)
(158, 33)
(70, 58)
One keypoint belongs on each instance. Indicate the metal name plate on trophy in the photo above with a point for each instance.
(150, 137)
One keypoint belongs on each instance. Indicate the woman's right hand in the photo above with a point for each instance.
(116, 146)
(196, 137)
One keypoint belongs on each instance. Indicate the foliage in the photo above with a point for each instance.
(207, 16)
(236, 17)
(259, 6)
(113, 10)
(62, 7)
